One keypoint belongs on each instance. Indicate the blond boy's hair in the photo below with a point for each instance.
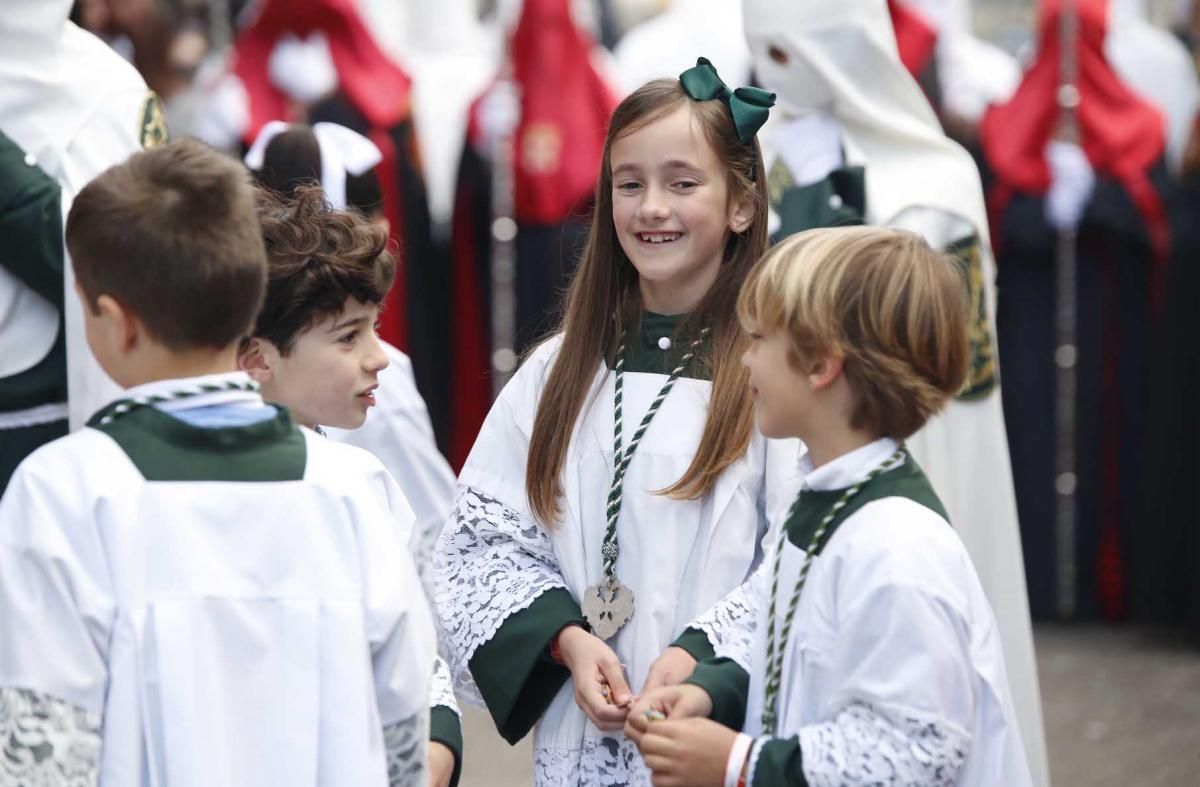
(884, 301)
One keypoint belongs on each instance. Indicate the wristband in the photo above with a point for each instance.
(737, 761)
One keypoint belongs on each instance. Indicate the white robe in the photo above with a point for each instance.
(678, 557)
(893, 672)
(77, 108)
(398, 432)
(232, 633)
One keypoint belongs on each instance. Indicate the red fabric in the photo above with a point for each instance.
(373, 84)
(565, 106)
(915, 38)
(470, 373)
(393, 326)
(1122, 135)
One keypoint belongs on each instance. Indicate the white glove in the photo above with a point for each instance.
(303, 68)
(1071, 184)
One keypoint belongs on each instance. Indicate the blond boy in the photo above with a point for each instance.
(869, 654)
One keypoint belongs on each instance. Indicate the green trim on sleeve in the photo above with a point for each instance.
(780, 764)
(729, 687)
(696, 643)
(514, 675)
(445, 727)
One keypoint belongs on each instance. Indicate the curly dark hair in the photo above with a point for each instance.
(317, 258)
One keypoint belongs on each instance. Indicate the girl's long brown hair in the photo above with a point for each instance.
(603, 301)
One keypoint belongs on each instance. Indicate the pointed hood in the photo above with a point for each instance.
(375, 85)
(565, 105)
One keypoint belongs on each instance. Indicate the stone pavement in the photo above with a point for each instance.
(1122, 708)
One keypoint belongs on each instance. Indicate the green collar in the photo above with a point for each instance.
(907, 480)
(164, 448)
(644, 350)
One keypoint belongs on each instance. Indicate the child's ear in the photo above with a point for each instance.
(741, 213)
(123, 325)
(824, 371)
(257, 359)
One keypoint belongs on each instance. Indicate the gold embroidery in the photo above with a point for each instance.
(981, 372)
(153, 128)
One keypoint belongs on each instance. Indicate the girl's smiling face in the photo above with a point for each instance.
(671, 210)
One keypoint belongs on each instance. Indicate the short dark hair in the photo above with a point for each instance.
(171, 234)
(317, 258)
(293, 159)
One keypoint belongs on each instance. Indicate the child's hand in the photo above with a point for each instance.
(672, 702)
(600, 688)
(673, 667)
(687, 753)
(441, 764)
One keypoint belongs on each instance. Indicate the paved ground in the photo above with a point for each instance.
(1122, 708)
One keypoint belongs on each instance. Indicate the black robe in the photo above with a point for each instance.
(1114, 316)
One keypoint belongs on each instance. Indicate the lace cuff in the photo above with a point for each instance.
(731, 623)
(441, 689)
(407, 745)
(862, 746)
(490, 563)
(46, 741)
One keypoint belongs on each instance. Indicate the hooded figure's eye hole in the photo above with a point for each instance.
(778, 55)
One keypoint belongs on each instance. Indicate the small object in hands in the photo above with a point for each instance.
(607, 606)
(655, 715)
(605, 691)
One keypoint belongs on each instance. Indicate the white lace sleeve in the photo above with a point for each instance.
(407, 745)
(490, 563)
(863, 746)
(731, 623)
(441, 690)
(44, 741)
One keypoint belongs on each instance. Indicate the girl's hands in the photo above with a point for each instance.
(601, 691)
(673, 667)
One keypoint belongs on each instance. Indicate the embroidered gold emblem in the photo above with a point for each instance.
(541, 147)
(153, 129)
(981, 371)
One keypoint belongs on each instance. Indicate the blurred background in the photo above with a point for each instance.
(488, 115)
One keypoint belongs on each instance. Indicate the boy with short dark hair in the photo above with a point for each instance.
(314, 350)
(196, 592)
(867, 651)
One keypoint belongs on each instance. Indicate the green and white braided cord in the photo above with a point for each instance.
(775, 651)
(610, 549)
(125, 406)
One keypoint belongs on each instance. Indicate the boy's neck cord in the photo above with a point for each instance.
(774, 652)
(125, 406)
(604, 618)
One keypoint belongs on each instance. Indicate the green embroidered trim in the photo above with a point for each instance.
(164, 448)
(982, 374)
(30, 224)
